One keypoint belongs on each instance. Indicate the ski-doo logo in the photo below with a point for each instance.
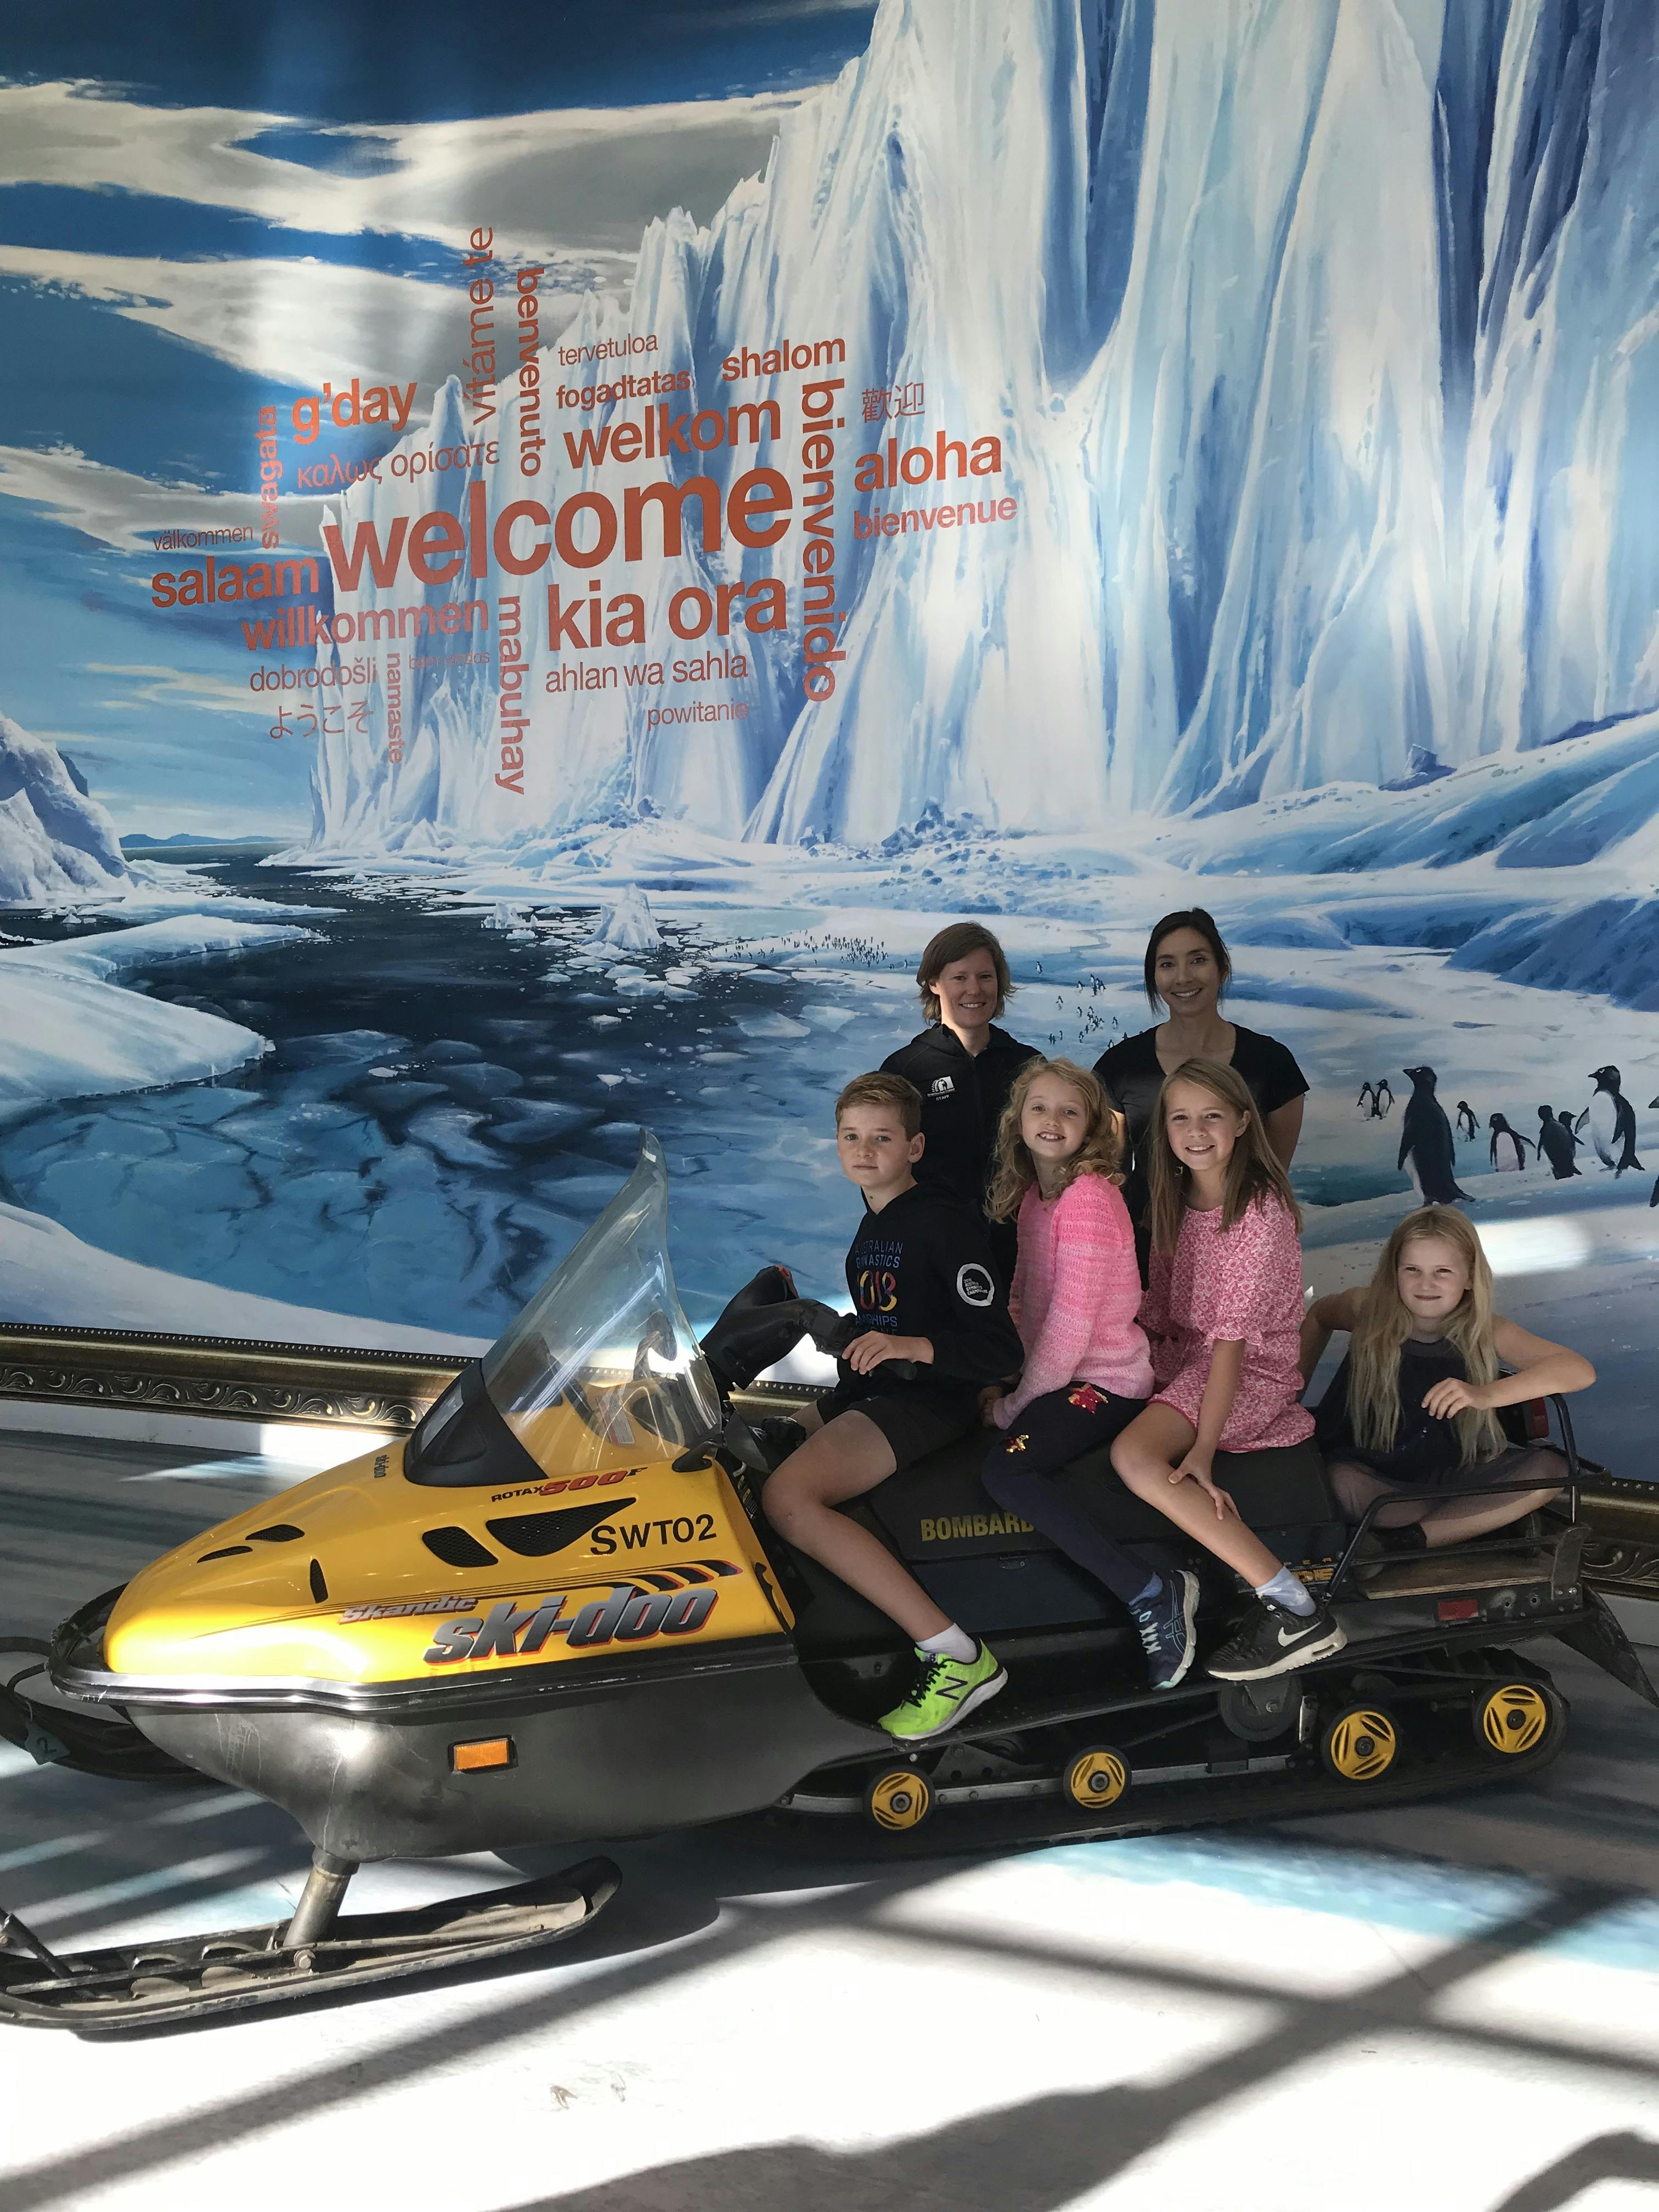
(568, 1482)
(973, 1285)
(629, 1615)
(942, 1086)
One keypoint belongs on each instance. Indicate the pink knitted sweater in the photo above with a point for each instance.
(1076, 1291)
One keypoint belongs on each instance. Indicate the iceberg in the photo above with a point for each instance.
(1319, 341)
(57, 843)
(73, 1033)
(628, 926)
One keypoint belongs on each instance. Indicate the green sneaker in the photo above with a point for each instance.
(944, 1692)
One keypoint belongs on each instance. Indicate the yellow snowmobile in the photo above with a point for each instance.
(556, 1612)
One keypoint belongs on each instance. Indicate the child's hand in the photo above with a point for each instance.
(866, 1352)
(1453, 1395)
(988, 1403)
(1196, 1468)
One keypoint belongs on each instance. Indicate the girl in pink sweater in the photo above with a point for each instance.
(1087, 1370)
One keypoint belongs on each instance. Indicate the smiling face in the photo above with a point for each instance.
(875, 1153)
(967, 991)
(1202, 1129)
(1053, 1122)
(1432, 1278)
(1185, 975)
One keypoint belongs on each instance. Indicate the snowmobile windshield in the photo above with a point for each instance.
(601, 1367)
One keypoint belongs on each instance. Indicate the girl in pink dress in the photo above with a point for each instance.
(1223, 1310)
(1086, 1373)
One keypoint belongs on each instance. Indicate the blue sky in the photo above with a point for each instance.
(204, 210)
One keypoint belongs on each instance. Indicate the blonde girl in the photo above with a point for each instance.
(1223, 1310)
(1413, 1406)
(1058, 1171)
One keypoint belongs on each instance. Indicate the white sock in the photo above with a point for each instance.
(1287, 1589)
(952, 1643)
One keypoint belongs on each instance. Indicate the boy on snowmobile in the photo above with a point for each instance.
(921, 1278)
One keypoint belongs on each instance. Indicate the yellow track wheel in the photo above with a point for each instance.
(1360, 1745)
(1513, 1719)
(1096, 1779)
(899, 1799)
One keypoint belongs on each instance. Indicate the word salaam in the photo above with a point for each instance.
(222, 580)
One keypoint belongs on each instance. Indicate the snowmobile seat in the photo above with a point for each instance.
(945, 1525)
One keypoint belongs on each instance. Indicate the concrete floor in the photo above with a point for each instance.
(1453, 2005)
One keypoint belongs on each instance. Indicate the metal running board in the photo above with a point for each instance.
(1431, 1576)
(203, 1977)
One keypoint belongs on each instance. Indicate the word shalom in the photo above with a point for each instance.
(381, 402)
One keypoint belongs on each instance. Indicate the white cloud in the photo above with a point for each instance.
(160, 686)
(119, 508)
(563, 180)
(304, 323)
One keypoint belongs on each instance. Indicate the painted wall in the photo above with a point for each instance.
(538, 575)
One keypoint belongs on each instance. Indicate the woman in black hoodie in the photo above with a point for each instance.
(963, 1065)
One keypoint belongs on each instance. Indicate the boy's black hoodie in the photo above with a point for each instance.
(922, 1267)
(963, 1095)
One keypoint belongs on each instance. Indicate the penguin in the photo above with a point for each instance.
(1468, 1126)
(1654, 1200)
(1557, 1145)
(1426, 1140)
(1383, 1091)
(1508, 1147)
(1611, 1120)
(1366, 1101)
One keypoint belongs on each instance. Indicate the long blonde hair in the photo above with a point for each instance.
(1100, 1153)
(1255, 1175)
(1385, 1322)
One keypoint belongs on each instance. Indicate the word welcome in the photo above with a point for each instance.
(434, 547)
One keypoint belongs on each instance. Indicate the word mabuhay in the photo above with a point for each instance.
(630, 1614)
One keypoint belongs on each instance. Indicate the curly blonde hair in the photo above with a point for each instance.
(1100, 1153)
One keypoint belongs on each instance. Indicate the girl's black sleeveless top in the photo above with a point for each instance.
(1426, 1452)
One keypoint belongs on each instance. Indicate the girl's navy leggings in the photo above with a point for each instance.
(1020, 1468)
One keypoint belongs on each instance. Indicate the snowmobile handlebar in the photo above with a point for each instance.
(750, 1337)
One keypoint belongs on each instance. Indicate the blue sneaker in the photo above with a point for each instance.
(1166, 1622)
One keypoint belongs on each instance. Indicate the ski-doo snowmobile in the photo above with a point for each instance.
(556, 1612)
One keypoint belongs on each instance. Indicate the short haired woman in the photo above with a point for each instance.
(964, 1065)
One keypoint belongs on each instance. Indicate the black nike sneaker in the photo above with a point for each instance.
(1272, 1640)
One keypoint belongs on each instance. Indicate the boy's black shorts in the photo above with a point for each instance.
(916, 1417)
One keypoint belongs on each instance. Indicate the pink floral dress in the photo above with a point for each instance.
(1222, 1287)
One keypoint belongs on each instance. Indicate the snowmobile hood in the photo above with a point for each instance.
(361, 1577)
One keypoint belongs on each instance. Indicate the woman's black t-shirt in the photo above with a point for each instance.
(1425, 1453)
(1133, 1077)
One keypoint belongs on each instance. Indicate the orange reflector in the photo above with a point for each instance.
(473, 1757)
(1459, 1609)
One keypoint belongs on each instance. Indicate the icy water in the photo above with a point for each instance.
(454, 1094)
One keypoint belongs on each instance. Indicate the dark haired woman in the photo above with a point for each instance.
(964, 1065)
(1187, 968)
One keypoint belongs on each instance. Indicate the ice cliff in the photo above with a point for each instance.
(55, 841)
(1322, 336)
